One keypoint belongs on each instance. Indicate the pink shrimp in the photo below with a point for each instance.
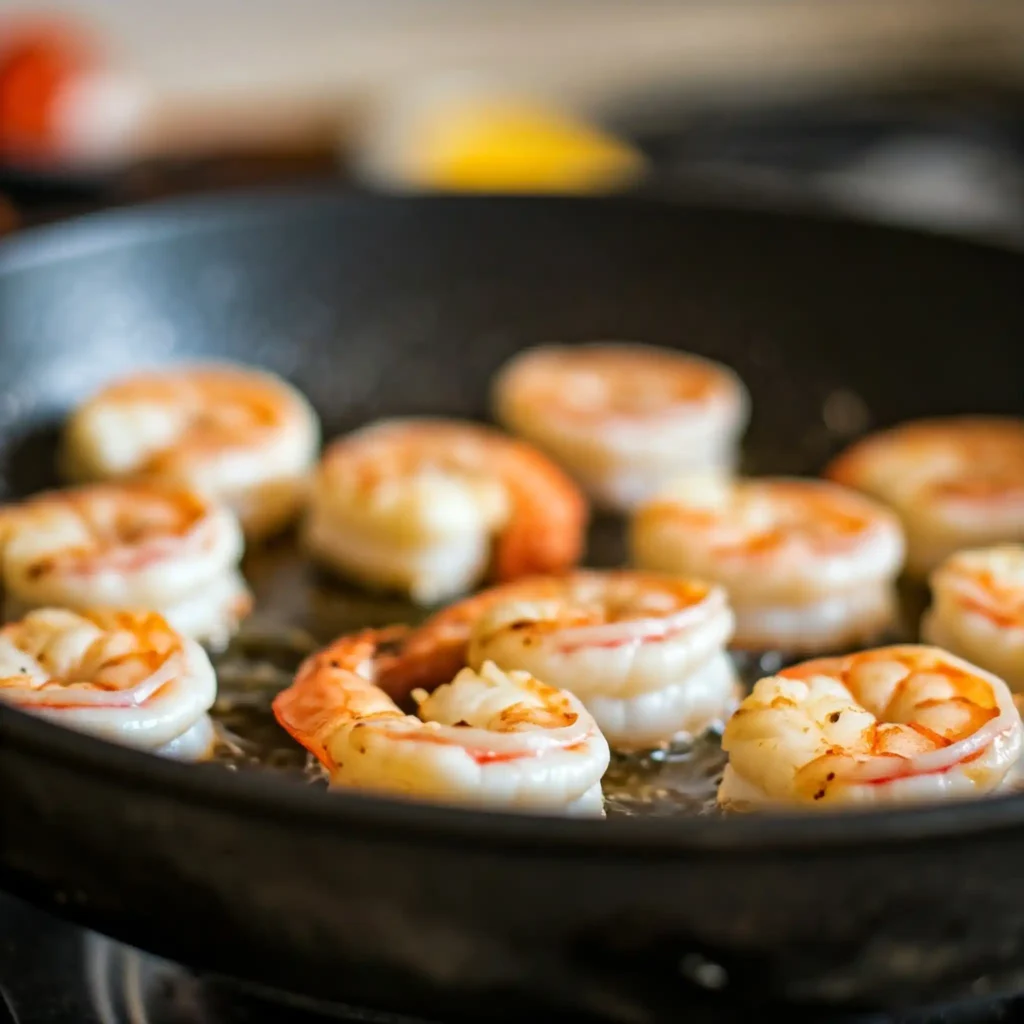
(886, 725)
(429, 506)
(491, 738)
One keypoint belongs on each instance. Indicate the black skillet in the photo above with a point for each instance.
(376, 307)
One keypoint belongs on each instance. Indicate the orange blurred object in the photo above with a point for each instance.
(39, 60)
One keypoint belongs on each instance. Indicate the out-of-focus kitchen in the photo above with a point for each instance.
(904, 111)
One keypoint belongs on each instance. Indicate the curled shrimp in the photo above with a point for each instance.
(891, 725)
(956, 483)
(126, 545)
(978, 609)
(624, 418)
(645, 653)
(416, 504)
(235, 434)
(490, 738)
(808, 565)
(126, 677)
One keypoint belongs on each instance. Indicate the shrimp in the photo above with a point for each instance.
(488, 738)
(644, 653)
(126, 545)
(126, 677)
(978, 610)
(232, 433)
(891, 725)
(624, 418)
(415, 504)
(956, 483)
(808, 565)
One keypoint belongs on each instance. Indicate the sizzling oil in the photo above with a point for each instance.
(299, 608)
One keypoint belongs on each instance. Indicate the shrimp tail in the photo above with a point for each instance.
(436, 651)
(310, 709)
(547, 532)
(421, 666)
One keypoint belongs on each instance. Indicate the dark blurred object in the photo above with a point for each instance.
(42, 199)
(8, 216)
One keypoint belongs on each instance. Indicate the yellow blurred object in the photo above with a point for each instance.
(502, 145)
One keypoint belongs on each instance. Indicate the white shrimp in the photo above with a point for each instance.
(126, 545)
(978, 610)
(891, 725)
(645, 653)
(956, 483)
(624, 418)
(125, 677)
(808, 565)
(431, 506)
(487, 738)
(233, 433)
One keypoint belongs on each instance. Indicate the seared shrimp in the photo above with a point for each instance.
(488, 738)
(415, 505)
(117, 546)
(123, 676)
(956, 483)
(232, 433)
(892, 725)
(645, 653)
(808, 565)
(978, 610)
(624, 418)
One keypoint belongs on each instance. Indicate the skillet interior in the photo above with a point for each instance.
(379, 307)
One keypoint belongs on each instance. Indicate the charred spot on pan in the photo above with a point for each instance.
(830, 777)
(820, 794)
(520, 624)
(462, 723)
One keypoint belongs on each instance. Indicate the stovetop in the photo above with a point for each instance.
(53, 972)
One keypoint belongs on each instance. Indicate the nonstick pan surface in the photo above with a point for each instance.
(376, 307)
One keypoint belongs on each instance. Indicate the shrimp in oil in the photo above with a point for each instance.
(489, 738)
(126, 545)
(891, 725)
(956, 483)
(809, 566)
(125, 677)
(430, 507)
(235, 434)
(623, 418)
(978, 610)
(644, 653)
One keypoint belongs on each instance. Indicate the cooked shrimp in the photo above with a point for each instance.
(892, 725)
(956, 483)
(232, 433)
(127, 545)
(645, 653)
(488, 738)
(415, 505)
(808, 565)
(624, 418)
(126, 677)
(978, 610)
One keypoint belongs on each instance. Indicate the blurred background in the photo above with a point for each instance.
(904, 110)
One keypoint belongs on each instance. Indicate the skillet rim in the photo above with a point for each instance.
(270, 795)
